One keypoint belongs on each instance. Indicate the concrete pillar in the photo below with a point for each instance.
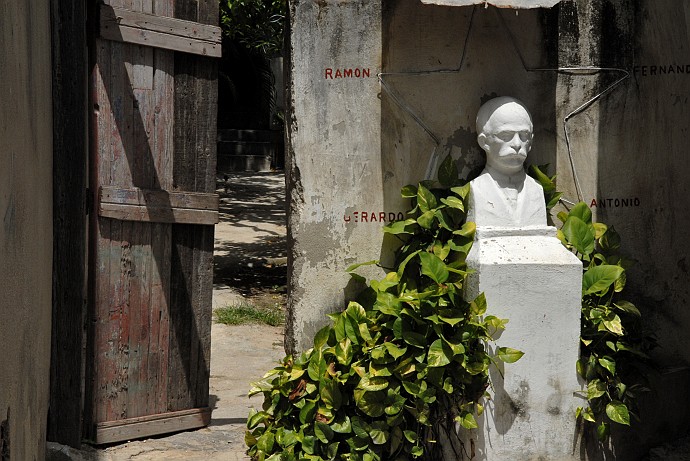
(530, 279)
(333, 162)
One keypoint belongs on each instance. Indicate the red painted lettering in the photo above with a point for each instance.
(338, 73)
(382, 217)
(594, 203)
(347, 218)
(365, 72)
(358, 73)
(365, 217)
(329, 73)
(347, 73)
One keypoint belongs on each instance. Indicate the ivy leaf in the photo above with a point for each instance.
(618, 412)
(371, 403)
(628, 307)
(426, 220)
(595, 389)
(461, 191)
(398, 227)
(599, 278)
(613, 324)
(509, 355)
(579, 235)
(342, 424)
(546, 183)
(425, 199)
(478, 305)
(581, 211)
(266, 441)
(395, 351)
(466, 420)
(439, 354)
(609, 364)
(620, 283)
(368, 263)
(433, 267)
(323, 432)
(317, 367)
(373, 383)
(411, 436)
(554, 200)
(360, 427)
(378, 436)
(409, 191)
(306, 414)
(467, 230)
(448, 172)
(599, 229)
(321, 338)
(417, 451)
(343, 352)
(330, 394)
(603, 430)
(610, 241)
(453, 202)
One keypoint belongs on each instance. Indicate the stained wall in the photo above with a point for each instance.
(25, 227)
(608, 86)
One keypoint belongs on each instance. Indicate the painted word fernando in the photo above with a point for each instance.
(372, 216)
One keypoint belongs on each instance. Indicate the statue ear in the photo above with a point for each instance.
(481, 140)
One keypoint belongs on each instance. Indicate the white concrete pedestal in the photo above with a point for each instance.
(529, 278)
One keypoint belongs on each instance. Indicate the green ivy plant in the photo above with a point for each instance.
(256, 24)
(613, 351)
(402, 363)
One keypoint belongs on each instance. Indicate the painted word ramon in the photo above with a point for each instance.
(331, 73)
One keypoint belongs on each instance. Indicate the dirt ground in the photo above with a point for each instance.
(249, 268)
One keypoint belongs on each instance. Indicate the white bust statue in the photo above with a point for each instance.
(503, 195)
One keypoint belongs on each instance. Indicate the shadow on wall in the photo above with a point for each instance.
(440, 64)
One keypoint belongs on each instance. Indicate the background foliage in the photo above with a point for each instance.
(253, 32)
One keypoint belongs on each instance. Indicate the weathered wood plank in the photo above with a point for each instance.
(135, 428)
(158, 198)
(69, 229)
(157, 214)
(139, 158)
(162, 141)
(159, 32)
(193, 170)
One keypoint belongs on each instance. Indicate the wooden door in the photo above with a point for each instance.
(153, 130)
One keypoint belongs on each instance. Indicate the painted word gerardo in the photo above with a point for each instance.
(373, 216)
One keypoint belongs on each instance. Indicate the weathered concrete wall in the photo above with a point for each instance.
(333, 160)
(355, 142)
(629, 153)
(25, 227)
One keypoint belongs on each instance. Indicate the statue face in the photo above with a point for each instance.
(507, 138)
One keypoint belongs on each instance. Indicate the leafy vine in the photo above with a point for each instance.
(405, 361)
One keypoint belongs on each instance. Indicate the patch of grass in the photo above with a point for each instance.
(242, 314)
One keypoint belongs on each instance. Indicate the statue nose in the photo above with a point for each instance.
(516, 141)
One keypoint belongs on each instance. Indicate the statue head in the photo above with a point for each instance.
(505, 132)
